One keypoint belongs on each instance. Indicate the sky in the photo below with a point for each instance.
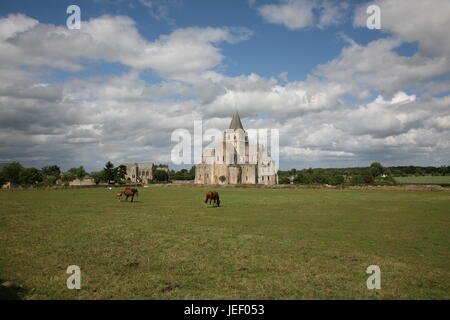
(340, 94)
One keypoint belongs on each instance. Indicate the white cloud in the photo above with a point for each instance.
(159, 9)
(378, 67)
(14, 24)
(293, 153)
(299, 14)
(125, 118)
(113, 39)
(425, 21)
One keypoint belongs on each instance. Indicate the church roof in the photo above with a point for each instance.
(236, 122)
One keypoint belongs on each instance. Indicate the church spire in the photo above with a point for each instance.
(236, 122)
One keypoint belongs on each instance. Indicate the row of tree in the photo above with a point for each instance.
(404, 171)
(110, 174)
(375, 174)
(182, 174)
(17, 175)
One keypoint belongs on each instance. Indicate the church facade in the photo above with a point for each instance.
(236, 161)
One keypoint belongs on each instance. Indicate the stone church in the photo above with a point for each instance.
(236, 161)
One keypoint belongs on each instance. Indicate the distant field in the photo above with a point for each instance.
(424, 179)
(262, 244)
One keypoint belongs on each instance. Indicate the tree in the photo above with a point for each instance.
(30, 176)
(68, 177)
(51, 174)
(12, 172)
(160, 176)
(443, 170)
(376, 169)
(283, 180)
(81, 173)
(2, 179)
(192, 173)
(222, 179)
(98, 177)
(49, 180)
(109, 172)
(78, 173)
(357, 179)
(53, 171)
(368, 179)
(121, 172)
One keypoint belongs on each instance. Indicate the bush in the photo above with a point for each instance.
(284, 180)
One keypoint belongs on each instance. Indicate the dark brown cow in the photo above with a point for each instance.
(212, 196)
(129, 192)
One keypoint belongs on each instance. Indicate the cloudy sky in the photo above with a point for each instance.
(340, 93)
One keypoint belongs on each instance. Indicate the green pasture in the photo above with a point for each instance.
(260, 244)
(424, 180)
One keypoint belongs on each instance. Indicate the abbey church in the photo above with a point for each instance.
(236, 161)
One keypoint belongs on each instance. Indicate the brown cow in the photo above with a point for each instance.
(212, 196)
(129, 192)
(119, 195)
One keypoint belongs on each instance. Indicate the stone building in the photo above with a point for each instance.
(236, 161)
(139, 172)
(142, 172)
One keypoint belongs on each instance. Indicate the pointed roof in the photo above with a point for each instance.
(236, 122)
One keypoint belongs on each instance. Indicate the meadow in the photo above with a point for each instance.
(260, 244)
(445, 180)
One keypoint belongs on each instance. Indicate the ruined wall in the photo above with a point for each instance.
(220, 170)
(234, 174)
(200, 173)
(249, 174)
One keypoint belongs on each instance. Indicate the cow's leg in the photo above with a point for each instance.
(132, 197)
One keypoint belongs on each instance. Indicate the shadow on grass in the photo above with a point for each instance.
(11, 292)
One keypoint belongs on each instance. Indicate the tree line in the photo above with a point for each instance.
(17, 175)
(52, 175)
(374, 174)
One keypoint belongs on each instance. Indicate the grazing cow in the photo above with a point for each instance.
(128, 192)
(212, 196)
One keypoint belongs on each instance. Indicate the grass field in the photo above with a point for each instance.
(262, 244)
(424, 180)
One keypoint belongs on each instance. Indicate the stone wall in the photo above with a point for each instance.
(84, 182)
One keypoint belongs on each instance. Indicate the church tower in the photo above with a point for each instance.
(235, 141)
